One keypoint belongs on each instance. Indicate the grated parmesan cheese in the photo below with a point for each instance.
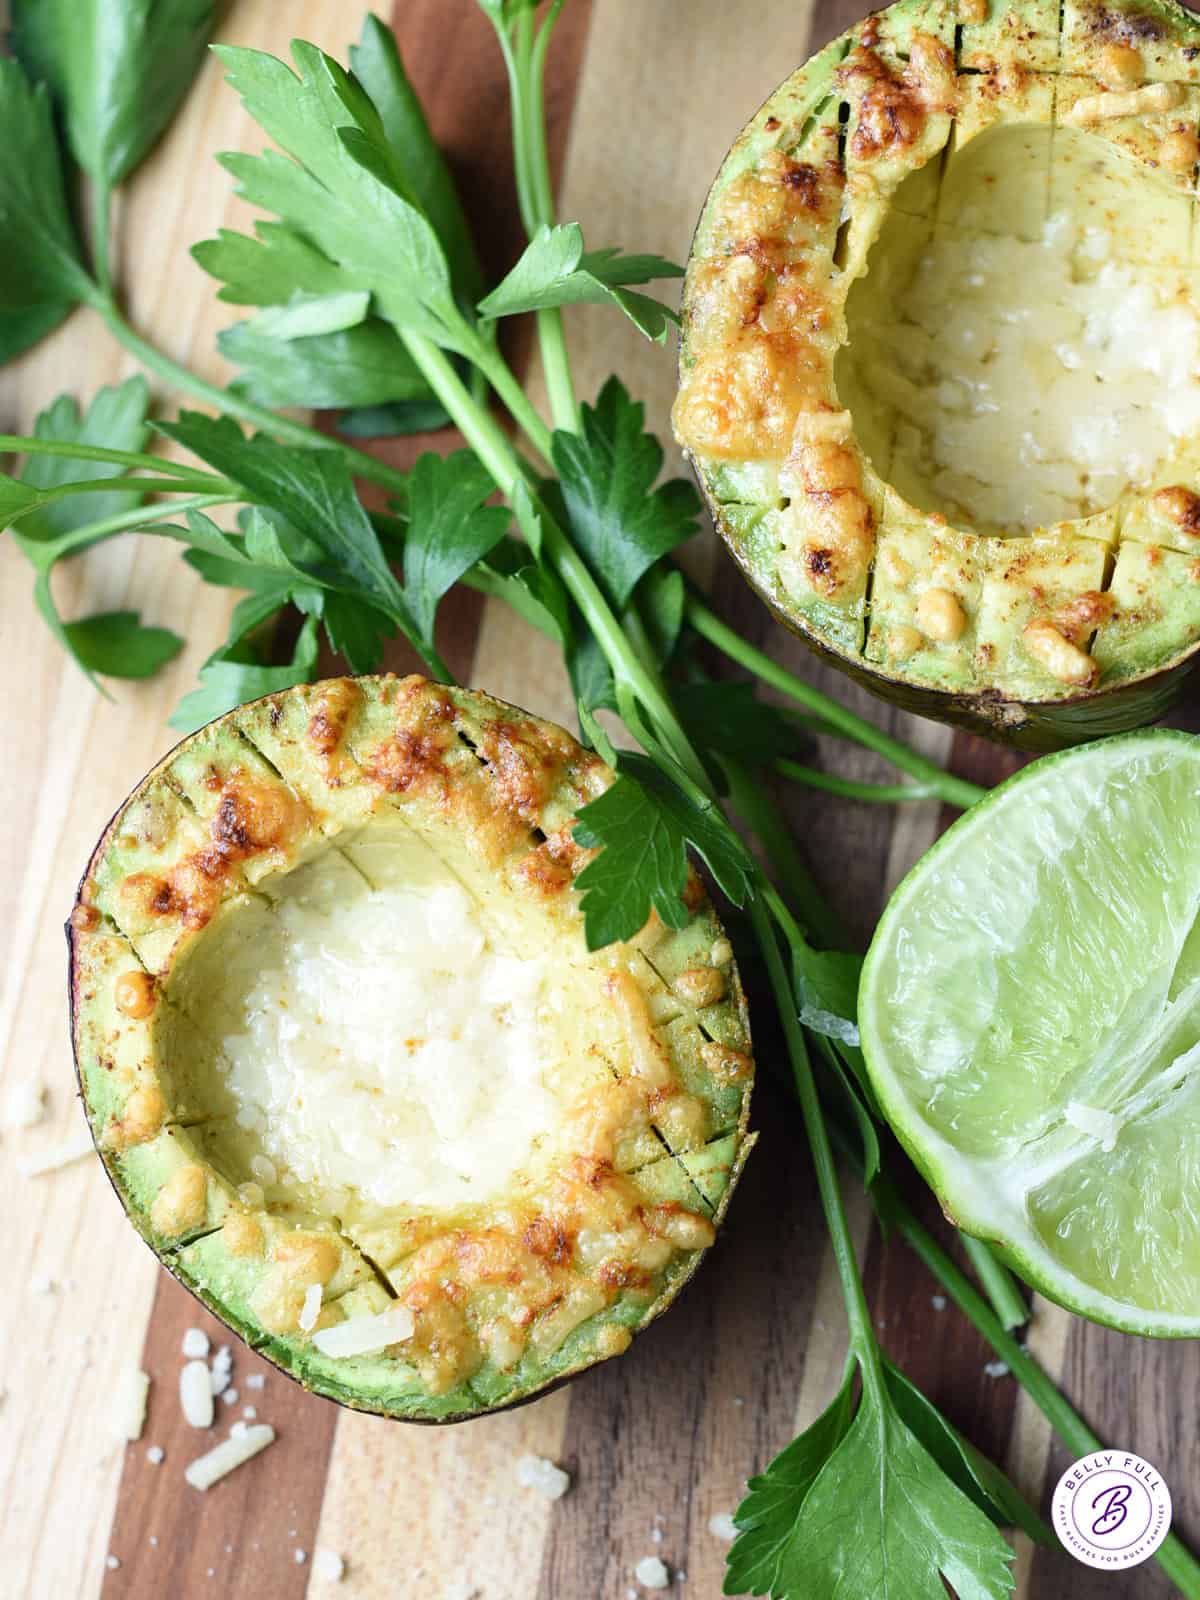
(228, 1455)
(195, 1394)
(536, 1472)
(222, 1369)
(26, 1105)
(722, 1526)
(364, 1336)
(652, 1573)
(129, 1408)
(156, 1455)
(329, 1566)
(195, 1343)
(311, 1308)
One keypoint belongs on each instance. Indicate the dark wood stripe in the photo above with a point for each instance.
(240, 1536)
(451, 55)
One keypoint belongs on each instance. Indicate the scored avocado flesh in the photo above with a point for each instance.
(941, 338)
(344, 1048)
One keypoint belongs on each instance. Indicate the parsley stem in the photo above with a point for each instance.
(101, 234)
(850, 789)
(1173, 1556)
(76, 450)
(858, 1316)
(236, 405)
(138, 486)
(1007, 1301)
(954, 791)
(52, 550)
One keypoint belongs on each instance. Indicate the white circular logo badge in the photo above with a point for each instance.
(1111, 1510)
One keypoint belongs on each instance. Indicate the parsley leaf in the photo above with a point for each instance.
(449, 529)
(116, 418)
(343, 188)
(912, 1525)
(313, 491)
(376, 63)
(113, 643)
(116, 644)
(41, 271)
(119, 67)
(958, 1458)
(554, 270)
(226, 681)
(307, 315)
(269, 269)
(642, 826)
(361, 366)
(621, 523)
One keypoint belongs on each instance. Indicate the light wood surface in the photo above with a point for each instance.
(645, 98)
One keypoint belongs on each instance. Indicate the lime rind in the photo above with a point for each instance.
(1030, 1015)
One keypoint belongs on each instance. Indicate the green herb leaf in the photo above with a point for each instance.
(312, 490)
(958, 1458)
(116, 644)
(363, 366)
(392, 420)
(554, 270)
(116, 418)
(912, 1526)
(41, 271)
(534, 592)
(375, 62)
(449, 529)
(827, 988)
(774, 1499)
(225, 683)
(270, 269)
(343, 188)
(307, 315)
(643, 826)
(659, 600)
(621, 523)
(119, 67)
(727, 717)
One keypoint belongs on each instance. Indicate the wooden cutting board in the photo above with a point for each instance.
(645, 95)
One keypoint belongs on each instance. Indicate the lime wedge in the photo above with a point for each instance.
(1030, 1014)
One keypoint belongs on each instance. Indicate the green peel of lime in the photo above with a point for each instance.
(1030, 1015)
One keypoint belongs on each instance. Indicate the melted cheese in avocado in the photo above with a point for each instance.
(1017, 354)
(382, 1046)
(1037, 394)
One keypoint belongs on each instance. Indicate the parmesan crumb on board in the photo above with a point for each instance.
(222, 1369)
(112, 1563)
(722, 1526)
(229, 1397)
(311, 1309)
(299, 1557)
(938, 1302)
(329, 1566)
(72, 1149)
(156, 1455)
(652, 1573)
(256, 1380)
(195, 1344)
(536, 1472)
(25, 1106)
(129, 1403)
(231, 1453)
(195, 1394)
(996, 1369)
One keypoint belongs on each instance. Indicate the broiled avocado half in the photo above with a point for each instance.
(354, 1073)
(940, 371)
